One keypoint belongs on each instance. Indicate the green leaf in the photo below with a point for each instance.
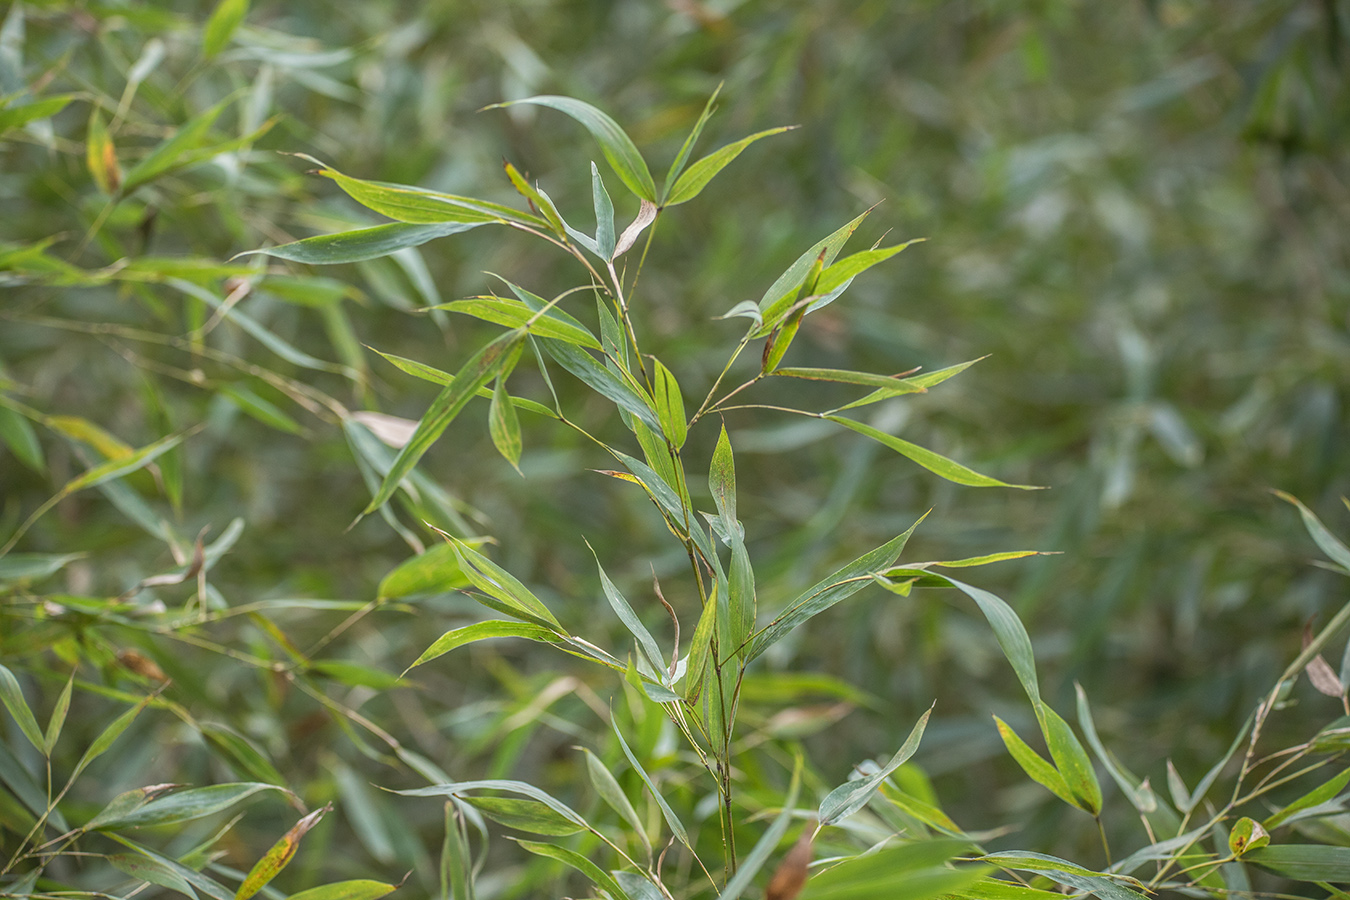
(170, 153)
(914, 871)
(1247, 835)
(1010, 633)
(1336, 551)
(434, 571)
(354, 674)
(503, 425)
(672, 820)
(933, 462)
(605, 239)
(240, 754)
(276, 858)
(514, 314)
(602, 381)
(151, 870)
(116, 468)
(259, 408)
(1040, 771)
(22, 441)
(1305, 862)
(852, 796)
(646, 643)
(677, 165)
(475, 373)
(1104, 886)
(362, 243)
(1317, 796)
(456, 861)
(1071, 760)
(12, 696)
(700, 173)
(894, 386)
(835, 278)
(200, 882)
(538, 198)
(481, 631)
(597, 875)
(722, 483)
(831, 590)
(26, 113)
(225, 19)
(512, 597)
(524, 815)
(404, 203)
(347, 890)
(922, 381)
(1141, 799)
(436, 376)
(58, 717)
(456, 788)
(767, 843)
(180, 806)
(607, 786)
(617, 146)
(669, 405)
(34, 566)
(783, 292)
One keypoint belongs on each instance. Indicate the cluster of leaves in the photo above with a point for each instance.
(154, 394)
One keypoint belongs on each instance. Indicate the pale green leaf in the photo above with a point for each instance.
(692, 182)
(933, 462)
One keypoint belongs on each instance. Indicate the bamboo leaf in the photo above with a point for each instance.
(276, 858)
(1305, 862)
(852, 796)
(1336, 551)
(347, 890)
(405, 203)
(58, 717)
(503, 425)
(646, 643)
(922, 381)
(434, 571)
(669, 405)
(179, 806)
(605, 240)
(1071, 760)
(781, 294)
(22, 441)
(493, 580)
(514, 314)
(475, 373)
(1317, 796)
(672, 820)
(22, 114)
(151, 870)
(677, 165)
(101, 156)
(722, 483)
(607, 786)
(456, 788)
(524, 815)
(224, 21)
(362, 243)
(1040, 771)
(912, 871)
(933, 462)
(893, 385)
(602, 381)
(12, 696)
(617, 146)
(700, 173)
(1104, 886)
(597, 875)
(481, 631)
(831, 590)
(171, 152)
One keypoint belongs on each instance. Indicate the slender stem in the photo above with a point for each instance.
(698, 414)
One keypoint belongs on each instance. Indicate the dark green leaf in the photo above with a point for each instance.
(363, 243)
(12, 696)
(151, 870)
(1305, 862)
(524, 815)
(672, 820)
(583, 865)
(852, 796)
(1034, 765)
(933, 462)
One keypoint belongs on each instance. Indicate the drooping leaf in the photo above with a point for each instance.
(913, 871)
(831, 590)
(617, 146)
(1104, 886)
(602, 381)
(647, 212)
(475, 373)
(503, 425)
(362, 243)
(597, 875)
(515, 314)
(1305, 862)
(852, 796)
(206, 885)
(459, 788)
(1336, 551)
(607, 786)
(436, 376)
(933, 462)
(512, 597)
(240, 754)
(672, 820)
(1071, 760)
(692, 182)
(179, 806)
(12, 696)
(151, 870)
(481, 631)
(524, 815)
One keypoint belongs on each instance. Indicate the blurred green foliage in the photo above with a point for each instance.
(1136, 210)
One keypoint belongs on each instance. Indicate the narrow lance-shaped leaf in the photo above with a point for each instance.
(512, 596)
(503, 425)
(669, 405)
(514, 314)
(923, 381)
(359, 889)
(607, 786)
(677, 165)
(18, 707)
(672, 820)
(361, 244)
(852, 796)
(1040, 771)
(692, 183)
(456, 863)
(181, 806)
(618, 148)
(225, 19)
(524, 815)
(58, 717)
(474, 374)
(605, 239)
(602, 381)
(481, 631)
(457, 788)
(18, 434)
(275, 859)
(722, 482)
(101, 156)
(538, 198)
(169, 153)
(933, 462)
(597, 875)
(151, 870)
(1336, 551)
(1071, 760)
(839, 586)
(781, 294)
(1305, 862)
(645, 642)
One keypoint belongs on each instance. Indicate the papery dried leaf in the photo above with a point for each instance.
(790, 876)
